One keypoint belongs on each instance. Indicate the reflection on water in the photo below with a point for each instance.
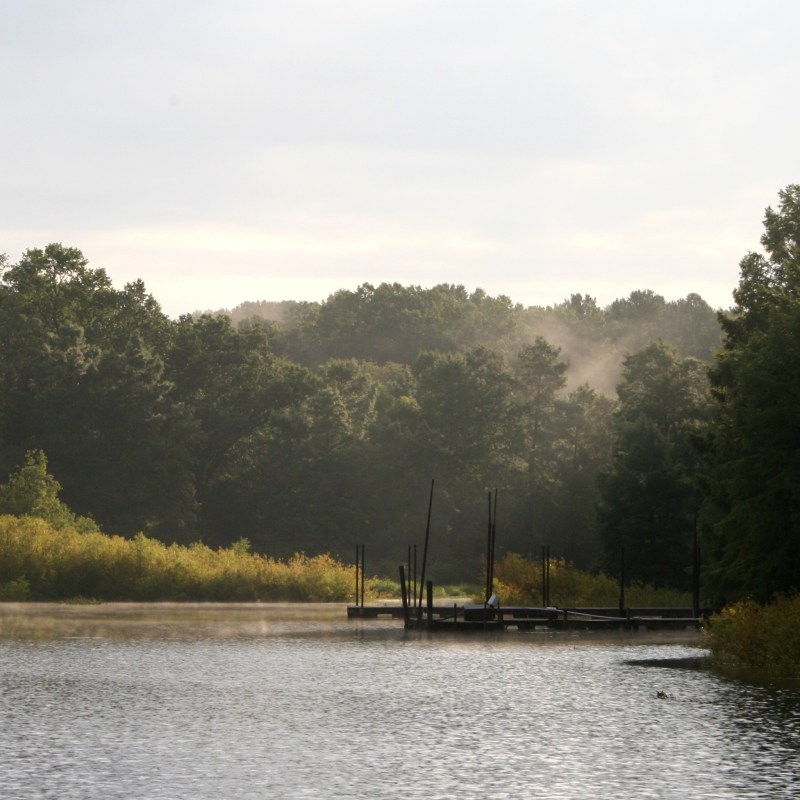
(259, 701)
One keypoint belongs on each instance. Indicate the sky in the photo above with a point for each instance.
(243, 151)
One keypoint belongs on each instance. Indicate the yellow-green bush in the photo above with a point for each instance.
(40, 562)
(518, 581)
(764, 639)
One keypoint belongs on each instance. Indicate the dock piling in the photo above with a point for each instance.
(429, 592)
(404, 597)
(425, 550)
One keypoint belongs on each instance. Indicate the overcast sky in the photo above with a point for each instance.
(266, 150)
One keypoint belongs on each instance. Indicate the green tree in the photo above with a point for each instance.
(582, 448)
(637, 319)
(754, 510)
(230, 385)
(650, 494)
(540, 376)
(466, 405)
(344, 403)
(32, 491)
(82, 379)
(394, 323)
(466, 439)
(691, 326)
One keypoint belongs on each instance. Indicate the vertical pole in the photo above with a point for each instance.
(357, 565)
(429, 587)
(695, 572)
(404, 596)
(425, 549)
(363, 570)
(489, 552)
(493, 540)
(408, 565)
(415, 575)
(622, 581)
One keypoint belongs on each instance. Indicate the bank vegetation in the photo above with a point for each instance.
(758, 639)
(41, 562)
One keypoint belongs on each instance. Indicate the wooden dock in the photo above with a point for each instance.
(491, 616)
(465, 618)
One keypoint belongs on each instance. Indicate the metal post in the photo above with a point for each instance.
(493, 543)
(363, 570)
(489, 552)
(622, 581)
(404, 596)
(429, 587)
(425, 549)
(410, 572)
(414, 579)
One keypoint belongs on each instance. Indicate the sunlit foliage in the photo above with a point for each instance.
(763, 639)
(32, 491)
(518, 581)
(40, 562)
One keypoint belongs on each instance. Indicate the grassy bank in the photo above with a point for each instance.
(40, 562)
(760, 639)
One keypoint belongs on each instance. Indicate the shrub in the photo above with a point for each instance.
(15, 591)
(31, 490)
(764, 639)
(518, 581)
(41, 562)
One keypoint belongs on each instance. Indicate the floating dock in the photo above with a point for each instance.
(491, 616)
(487, 618)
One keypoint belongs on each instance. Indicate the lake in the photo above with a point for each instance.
(294, 701)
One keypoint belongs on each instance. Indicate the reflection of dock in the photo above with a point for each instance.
(486, 618)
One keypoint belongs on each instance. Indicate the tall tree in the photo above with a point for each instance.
(82, 379)
(465, 400)
(650, 494)
(540, 375)
(581, 449)
(467, 436)
(754, 514)
(230, 384)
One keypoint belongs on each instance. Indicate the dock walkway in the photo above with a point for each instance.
(461, 617)
(465, 618)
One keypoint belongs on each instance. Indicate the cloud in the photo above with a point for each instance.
(533, 148)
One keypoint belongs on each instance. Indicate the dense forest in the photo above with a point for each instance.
(316, 426)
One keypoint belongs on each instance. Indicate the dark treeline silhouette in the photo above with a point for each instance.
(316, 426)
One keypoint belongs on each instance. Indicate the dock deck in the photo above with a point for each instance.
(466, 618)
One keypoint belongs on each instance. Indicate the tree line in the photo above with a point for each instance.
(316, 426)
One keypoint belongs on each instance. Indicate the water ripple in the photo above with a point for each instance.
(373, 712)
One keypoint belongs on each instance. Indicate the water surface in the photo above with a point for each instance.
(264, 701)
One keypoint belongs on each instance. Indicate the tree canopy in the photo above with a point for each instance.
(317, 426)
(753, 515)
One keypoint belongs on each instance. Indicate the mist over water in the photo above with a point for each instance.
(259, 701)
